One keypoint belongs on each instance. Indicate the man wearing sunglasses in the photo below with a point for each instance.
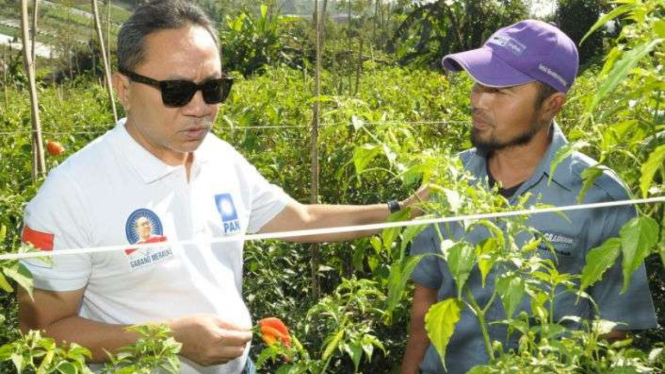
(162, 166)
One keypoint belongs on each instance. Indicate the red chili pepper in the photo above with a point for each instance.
(273, 329)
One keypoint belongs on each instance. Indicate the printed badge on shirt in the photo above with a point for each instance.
(228, 213)
(563, 244)
(144, 227)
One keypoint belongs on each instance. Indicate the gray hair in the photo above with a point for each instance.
(155, 16)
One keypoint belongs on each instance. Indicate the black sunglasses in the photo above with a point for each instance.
(178, 93)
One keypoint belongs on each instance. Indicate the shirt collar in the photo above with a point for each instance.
(562, 174)
(147, 165)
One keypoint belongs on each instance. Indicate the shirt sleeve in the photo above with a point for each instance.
(634, 308)
(428, 272)
(266, 199)
(57, 214)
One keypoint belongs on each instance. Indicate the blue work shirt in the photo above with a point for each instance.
(571, 239)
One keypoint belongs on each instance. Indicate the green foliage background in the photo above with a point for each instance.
(415, 109)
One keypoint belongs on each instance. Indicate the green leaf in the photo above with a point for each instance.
(332, 345)
(589, 175)
(598, 260)
(400, 271)
(357, 123)
(355, 351)
(3, 233)
(364, 154)
(511, 289)
(454, 199)
(659, 28)
(389, 235)
(440, 322)
(67, 368)
(621, 70)
(485, 251)
(563, 153)
(19, 273)
(375, 242)
(409, 233)
(638, 236)
(4, 285)
(649, 169)
(606, 18)
(460, 258)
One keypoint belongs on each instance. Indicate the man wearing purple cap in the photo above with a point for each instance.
(522, 75)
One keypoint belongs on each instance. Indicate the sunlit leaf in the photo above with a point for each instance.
(357, 123)
(461, 259)
(333, 344)
(440, 322)
(606, 18)
(4, 285)
(621, 69)
(363, 155)
(638, 236)
(511, 290)
(485, 251)
(650, 167)
(565, 152)
(659, 28)
(355, 352)
(19, 273)
(409, 233)
(400, 271)
(598, 260)
(389, 235)
(589, 175)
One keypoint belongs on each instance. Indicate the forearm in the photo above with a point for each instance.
(418, 341)
(322, 216)
(416, 347)
(95, 336)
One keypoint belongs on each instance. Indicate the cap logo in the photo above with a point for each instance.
(509, 43)
(552, 74)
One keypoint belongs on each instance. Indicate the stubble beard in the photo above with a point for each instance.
(493, 144)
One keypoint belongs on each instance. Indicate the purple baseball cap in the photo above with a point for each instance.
(527, 51)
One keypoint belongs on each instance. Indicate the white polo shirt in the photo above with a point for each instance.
(114, 192)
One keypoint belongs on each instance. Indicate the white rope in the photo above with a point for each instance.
(96, 130)
(331, 230)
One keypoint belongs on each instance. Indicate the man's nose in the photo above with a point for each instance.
(197, 107)
(481, 100)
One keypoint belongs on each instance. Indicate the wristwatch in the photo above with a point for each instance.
(393, 206)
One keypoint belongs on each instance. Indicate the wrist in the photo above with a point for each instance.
(394, 206)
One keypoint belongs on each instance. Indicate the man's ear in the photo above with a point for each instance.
(122, 87)
(552, 106)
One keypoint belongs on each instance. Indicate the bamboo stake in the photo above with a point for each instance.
(35, 13)
(108, 30)
(39, 163)
(360, 65)
(314, 196)
(107, 68)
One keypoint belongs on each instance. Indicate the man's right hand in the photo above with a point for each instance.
(208, 340)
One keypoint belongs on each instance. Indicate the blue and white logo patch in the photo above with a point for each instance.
(141, 225)
(144, 227)
(227, 211)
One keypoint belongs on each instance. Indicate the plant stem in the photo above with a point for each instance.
(480, 314)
